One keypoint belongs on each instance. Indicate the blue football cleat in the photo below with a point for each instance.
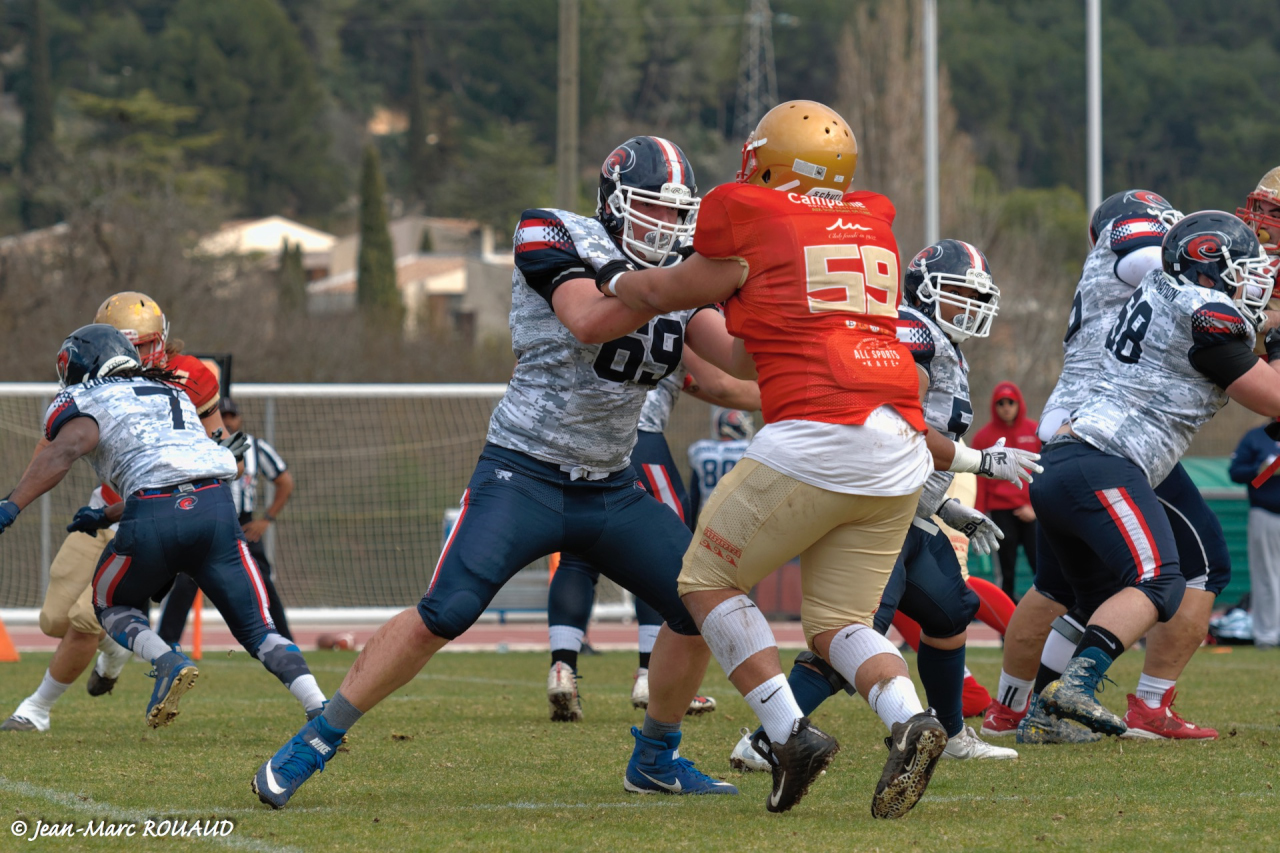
(1072, 697)
(1037, 726)
(657, 768)
(174, 674)
(306, 753)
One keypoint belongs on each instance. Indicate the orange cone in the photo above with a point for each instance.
(8, 652)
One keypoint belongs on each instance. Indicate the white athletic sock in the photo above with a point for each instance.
(775, 705)
(48, 692)
(148, 645)
(1151, 690)
(894, 700)
(647, 635)
(113, 657)
(1013, 692)
(565, 638)
(306, 691)
(1058, 651)
(967, 673)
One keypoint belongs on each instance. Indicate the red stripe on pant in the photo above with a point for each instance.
(444, 552)
(661, 487)
(255, 580)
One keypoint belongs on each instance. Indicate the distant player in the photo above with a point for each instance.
(1261, 212)
(67, 612)
(1126, 230)
(573, 588)
(555, 474)
(711, 458)
(140, 431)
(1180, 348)
(808, 273)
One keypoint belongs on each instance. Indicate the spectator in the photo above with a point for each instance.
(1255, 452)
(1007, 505)
(260, 458)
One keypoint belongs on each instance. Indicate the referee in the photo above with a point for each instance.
(260, 459)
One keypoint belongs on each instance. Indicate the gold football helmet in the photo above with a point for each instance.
(1262, 211)
(141, 320)
(802, 147)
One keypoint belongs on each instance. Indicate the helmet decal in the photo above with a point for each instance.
(1207, 247)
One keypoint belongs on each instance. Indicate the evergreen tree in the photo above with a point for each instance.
(38, 153)
(376, 290)
(291, 279)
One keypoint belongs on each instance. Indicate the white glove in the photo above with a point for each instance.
(982, 531)
(997, 462)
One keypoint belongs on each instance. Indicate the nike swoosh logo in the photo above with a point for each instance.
(675, 789)
(902, 744)
(743, 607)
(770, 696)
(777, 793)
(271, 781)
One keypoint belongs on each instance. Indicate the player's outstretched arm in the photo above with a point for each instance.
(76, 438)
(693, 282)
(591, 317)
(1258, 388)
(709, 339)
(712, 385)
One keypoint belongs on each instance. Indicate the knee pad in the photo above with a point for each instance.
(953, 619)
(449, 618)
(122, 623)
(281, 658)
(835, 679)
(1070, 626)
(735, 630)
(51, 627)
(1165, 592)
(854, 646)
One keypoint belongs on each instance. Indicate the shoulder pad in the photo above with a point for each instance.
(914, 332)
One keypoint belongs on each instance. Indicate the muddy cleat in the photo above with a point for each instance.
(746, 759)
(28, 718)
(1163, 722)
(700, 705)
(174, 673)
(562, 694)
(975, 699)
(1037, 727)
(106, 671)
(1072, 697)
(99, 685)
(640, 696)
(967, 745)
(1001, 720)
(657, 768)
(914, 749)
(796, 763)
(306, 753)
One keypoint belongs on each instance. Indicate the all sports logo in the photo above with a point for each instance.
(188, 502)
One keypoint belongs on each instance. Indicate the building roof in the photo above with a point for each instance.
(250, 236)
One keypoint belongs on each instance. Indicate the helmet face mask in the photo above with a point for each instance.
(641, 174)
(1132, 204)
(140, 319)
(802, 147)
(1223, 249)
(94, 352)
(1261, 211)
(950, 281)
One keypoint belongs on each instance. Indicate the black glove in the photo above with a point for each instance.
(8, 513)
(237, 443)
(609, 271)
(685, 251)
(1272, 343)
(1272, 430)
(89, 520)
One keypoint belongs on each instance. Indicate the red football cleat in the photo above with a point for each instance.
(1001, 720)
(1162, 722)
(976, 699)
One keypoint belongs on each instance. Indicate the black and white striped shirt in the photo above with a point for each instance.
(260, 458)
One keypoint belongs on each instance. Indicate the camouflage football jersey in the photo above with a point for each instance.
(1099, 296)
(1149, 400)
(947, 408)
(711, 460)
(149, 434)
(658, 403)
(573, 404)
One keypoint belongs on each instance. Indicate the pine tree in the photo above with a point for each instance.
(376, 291)
(292, 279)
(38, 153)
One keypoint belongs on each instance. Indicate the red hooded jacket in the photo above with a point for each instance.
(997, 494)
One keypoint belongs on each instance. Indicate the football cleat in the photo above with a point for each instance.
(975, 700)
(29, 717)
(1001, 720)
(796, 763)
(914, 749)
(174, 673)
(967, 745)
(1038, 727)
(657, 768)
(745, 758)
(306, 753)
(562, 694)
(106, 671)
(1162, 722)
(640, 696)
(1072, 697)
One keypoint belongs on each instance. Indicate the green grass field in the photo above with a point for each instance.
(464, 758)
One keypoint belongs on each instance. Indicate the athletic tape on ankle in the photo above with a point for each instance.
(1069, 628)
(854, 646)
(1058, 649)
(735, 630)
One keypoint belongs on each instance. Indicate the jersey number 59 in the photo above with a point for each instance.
(857, 279)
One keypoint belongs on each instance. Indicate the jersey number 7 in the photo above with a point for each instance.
(175, 404)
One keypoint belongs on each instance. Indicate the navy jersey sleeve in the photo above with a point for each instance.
(918, 339)
(1136, 232)
(545, 253)
(62, 410)
(1220, 344)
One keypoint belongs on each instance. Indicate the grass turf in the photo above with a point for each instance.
(464, 758)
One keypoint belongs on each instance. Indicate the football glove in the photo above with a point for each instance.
(1010, 464)
(237, 443)
(88, 520)
(1272, 344)
(8, 512)
(982, 531)
(610, 271)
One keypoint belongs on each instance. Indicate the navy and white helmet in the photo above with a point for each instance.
(95, 351)
(1218, 245)
(961, 267)
(734, 425)
(1133, 209)
(651, 170)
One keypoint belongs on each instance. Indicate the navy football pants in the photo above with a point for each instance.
(927, 585)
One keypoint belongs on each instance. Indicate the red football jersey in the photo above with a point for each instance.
(198, 380)
(818, 310)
